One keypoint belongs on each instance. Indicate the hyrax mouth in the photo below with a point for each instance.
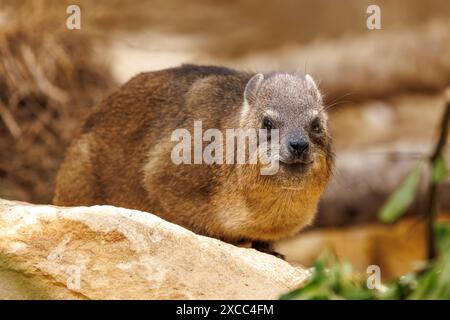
(296, 166)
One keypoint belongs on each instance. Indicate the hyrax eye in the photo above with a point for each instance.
(267, 123)
(316, 126)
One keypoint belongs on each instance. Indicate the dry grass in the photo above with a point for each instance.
(48, 81)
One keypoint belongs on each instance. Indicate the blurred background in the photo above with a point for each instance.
(384, 89)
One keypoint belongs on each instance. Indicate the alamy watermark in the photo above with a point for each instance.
(236, 146)
(373, 21)
(374, 280)
(73, 21)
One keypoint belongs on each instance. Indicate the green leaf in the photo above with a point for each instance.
(440, 170)
(402, 198)
(442, 233)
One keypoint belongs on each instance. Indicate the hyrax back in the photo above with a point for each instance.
(123, 156)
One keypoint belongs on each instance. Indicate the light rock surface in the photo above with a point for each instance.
(104, 252)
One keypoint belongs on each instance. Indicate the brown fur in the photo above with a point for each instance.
(123, 158)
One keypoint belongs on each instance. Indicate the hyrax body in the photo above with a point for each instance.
(123, 156)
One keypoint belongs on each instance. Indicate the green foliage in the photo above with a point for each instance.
(440, 170)
(402, 198)
(404, 195)
(434, 282)
(332, 279)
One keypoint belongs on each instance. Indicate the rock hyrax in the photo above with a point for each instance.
(123, 155)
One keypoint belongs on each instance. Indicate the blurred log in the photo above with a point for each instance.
(364, 180)
(374, 65)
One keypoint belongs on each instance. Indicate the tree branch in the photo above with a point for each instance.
(431, 210)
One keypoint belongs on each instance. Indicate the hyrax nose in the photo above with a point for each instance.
(298, 146)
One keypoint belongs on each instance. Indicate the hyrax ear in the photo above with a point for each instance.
(312, 86)
(252, 87)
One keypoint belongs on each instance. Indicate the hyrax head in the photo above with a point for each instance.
(292, 104)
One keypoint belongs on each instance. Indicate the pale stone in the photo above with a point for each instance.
(104, 252)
